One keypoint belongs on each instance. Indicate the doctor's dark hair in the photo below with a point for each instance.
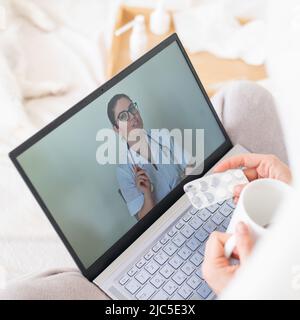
(111, 106)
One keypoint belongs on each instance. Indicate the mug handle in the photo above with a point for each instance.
(229, 246)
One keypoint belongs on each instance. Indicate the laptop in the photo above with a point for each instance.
(130, 227)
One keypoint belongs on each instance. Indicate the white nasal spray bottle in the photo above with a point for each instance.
(138, 38)
(160, 19)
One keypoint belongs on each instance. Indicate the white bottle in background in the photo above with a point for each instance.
(138, 38)
(160, 19)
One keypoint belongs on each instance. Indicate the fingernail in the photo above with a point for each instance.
(241, 228)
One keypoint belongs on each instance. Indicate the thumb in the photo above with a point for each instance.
(244, 242)
(238, 189)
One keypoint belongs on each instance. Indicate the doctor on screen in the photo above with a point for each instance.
(142, 181)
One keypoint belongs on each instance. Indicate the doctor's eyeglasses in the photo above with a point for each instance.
(124, 115)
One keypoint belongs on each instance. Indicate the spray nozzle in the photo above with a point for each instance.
(137, 23)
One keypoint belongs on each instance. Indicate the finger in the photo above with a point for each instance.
(238, 189)
(215, 245)
(145, 179)
(235, 200)
(137, 168)
(244, 242)
(251, 173)
(235, 254)
(144, 176)
(249, 160)
(141, 173)
(142, 183)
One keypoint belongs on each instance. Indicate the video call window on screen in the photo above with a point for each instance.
(154, 164)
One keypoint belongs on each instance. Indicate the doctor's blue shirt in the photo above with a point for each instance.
(164, 178)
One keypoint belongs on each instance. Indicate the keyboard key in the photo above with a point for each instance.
(213, 208)
(157, 280)
(196, 259)
(202, 249)
(195, 296)
(199, 273)
(180, 224)
(225, 210)
(204, 214)
(195, 223)
(167, 271)
(179, 277)
(124, 279)
(133, 286)
(209, 226)
(132, 271)
(221, 202)
(231, 203)
(188, 268)
(157, 247)
(193, 243)
(160, 295)
(221, 229)
(146, 292)
(204, 290)
(149, 255)
(193, 211)
(170, 248)
(201, 235)
(184, 252)
(187, 217)
(164, 239)
(194, 282)
(176, 296)
(218, 218)
(187, 231)
(172, 232)
(179, 239)
(176, 261)
(170, 287)
(185, 291)
(226, 223)
(140, 263)
(152, 267)
(161, 257)
(142, 276)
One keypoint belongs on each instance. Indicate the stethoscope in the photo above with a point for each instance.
(165, 150)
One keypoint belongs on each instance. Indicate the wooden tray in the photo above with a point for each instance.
(212, 71)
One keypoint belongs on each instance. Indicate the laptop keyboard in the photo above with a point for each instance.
(171, 268)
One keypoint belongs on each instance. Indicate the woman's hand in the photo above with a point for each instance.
(143, 183)
(142, 180)
(216, 268)
(256, 166)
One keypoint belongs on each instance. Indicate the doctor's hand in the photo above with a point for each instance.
(216, 268)
(256, 166)
(142, 180)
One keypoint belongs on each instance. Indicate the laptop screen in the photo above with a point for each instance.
(93, 195)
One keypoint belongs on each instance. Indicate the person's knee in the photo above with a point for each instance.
(53, 285)
(250, 117)
(247, 97)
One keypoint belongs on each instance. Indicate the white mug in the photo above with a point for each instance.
(257, 206)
